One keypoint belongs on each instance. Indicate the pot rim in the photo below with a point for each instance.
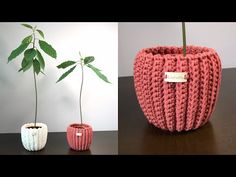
(41, 125)
(175, 51)
(80, 126)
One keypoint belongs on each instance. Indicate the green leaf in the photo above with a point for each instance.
(66, 64)
(25, 65)
(36, 65)
(42, 72)
(99, 74)
(27, 26)
(30, 54)
(91, 66)
(20, 69)
(48, 49)
(18, 51)
(40, 32)
(40, 59)
(27, 39)
(66, 73)
(24, 62)
(88, 60)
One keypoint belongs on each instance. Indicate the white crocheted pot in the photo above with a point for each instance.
(34, 139)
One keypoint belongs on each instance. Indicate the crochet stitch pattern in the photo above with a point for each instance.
(179, 106)
(81, 142)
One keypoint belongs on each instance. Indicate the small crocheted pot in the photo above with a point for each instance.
(79, 136)
(177, 106)
(34, 139)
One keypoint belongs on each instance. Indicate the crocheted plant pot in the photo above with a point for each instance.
(188, 102)
(79, 136)
(34, 139)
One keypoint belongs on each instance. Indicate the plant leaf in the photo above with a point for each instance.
(42, 72)
(40, 59)
(18, 51)
(24, 62)
(88, 60)
(66, 73)
(27, 39)
(66, 64)
(27, 26)
(25, 65)
(40, 32)
(91, 66)
(30, 54)
(48, 49)
(20, 69)
(36, 65)
(99, 74)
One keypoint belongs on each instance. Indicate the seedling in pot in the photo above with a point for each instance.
(79, 136)
(33, 58)
(82, 62)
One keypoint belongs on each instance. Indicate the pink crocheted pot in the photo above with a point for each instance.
(177, 106)
(79, 136)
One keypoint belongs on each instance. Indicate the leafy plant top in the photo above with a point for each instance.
(32, 55)
(84, 61)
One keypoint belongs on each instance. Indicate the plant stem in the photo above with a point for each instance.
(36, 99)
(184, 38)
(81, 88)
(35, 89)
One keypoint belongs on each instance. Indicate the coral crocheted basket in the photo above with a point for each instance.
(188, 102)
(79, 136)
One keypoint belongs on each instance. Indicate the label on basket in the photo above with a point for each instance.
(78, 134)
(175, 77)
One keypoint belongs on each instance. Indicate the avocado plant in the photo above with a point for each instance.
(79, 136)
(30, 46)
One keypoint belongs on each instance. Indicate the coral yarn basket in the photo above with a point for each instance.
(79, 136)
(177, 106)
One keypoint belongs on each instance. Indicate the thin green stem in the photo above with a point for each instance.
(35, 89)
(36, 99)
(34, 40)
(184, 38)
(80, 95)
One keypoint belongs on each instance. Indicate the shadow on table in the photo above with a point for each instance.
(200, 141)
(72, 152)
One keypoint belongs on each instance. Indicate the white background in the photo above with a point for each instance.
(58, 103)
(135, 36)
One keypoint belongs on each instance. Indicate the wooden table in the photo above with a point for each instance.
(218, 136)
(103, 143)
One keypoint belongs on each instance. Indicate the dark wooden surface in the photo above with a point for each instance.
(104, 143)
(137, 136)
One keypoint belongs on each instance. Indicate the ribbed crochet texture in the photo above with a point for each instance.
(82, 142)
(177, 106)
(34, 139)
